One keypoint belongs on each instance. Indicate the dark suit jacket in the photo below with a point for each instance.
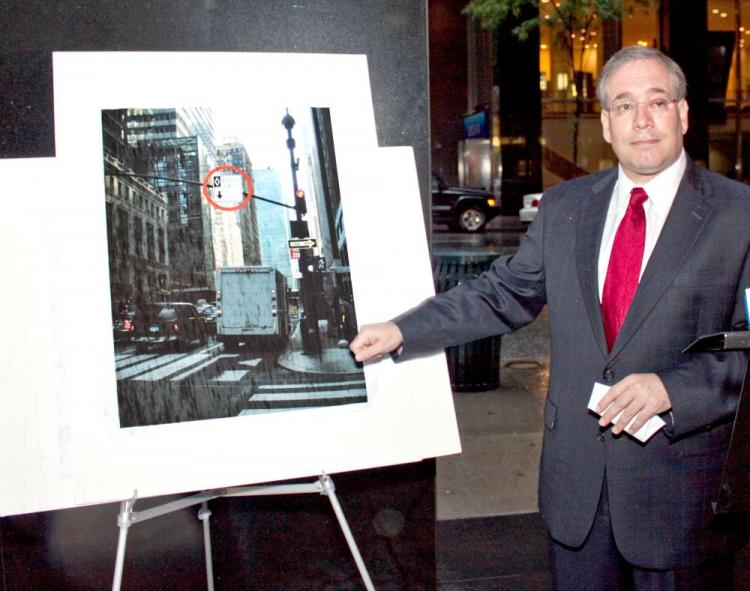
(660, 492)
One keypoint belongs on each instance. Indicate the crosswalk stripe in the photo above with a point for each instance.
(231, 375)
(251, 362)
(167, 370)
(148, 364)
(311, 385)
(204, 365)
(331, 394)
(128, 360)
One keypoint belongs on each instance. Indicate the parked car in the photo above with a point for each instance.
(461, 208)
(209, 313)
(168, 325)
(530, 207)
(123, 328)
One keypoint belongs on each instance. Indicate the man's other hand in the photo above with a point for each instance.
(640, 395)
(376, 340)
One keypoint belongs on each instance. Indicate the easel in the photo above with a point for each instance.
(323, 485)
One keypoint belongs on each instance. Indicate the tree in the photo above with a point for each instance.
(575, 22)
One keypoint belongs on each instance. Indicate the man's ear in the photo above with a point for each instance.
(682, 107)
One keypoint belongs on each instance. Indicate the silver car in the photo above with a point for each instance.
(530, 207)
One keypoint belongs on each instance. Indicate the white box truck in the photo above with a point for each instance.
(253, 308)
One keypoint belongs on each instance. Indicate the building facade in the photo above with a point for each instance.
(547, 82)
(245, 219)
(168, 149)
(273, 223)
(137, 223)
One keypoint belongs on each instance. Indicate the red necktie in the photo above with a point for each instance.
(624, 267)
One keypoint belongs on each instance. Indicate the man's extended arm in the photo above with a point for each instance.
(506, 297)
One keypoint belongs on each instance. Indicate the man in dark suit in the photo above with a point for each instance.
(634, 263)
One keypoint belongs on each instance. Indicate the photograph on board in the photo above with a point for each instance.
(229, 270)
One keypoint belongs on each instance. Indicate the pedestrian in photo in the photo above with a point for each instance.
(634, 263)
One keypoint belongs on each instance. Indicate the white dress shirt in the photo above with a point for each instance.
(661, 191)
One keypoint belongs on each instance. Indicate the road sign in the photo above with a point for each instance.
(302, 243)
(227, 189)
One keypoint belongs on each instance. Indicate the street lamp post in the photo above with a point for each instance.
(288, 123)
(309, 322)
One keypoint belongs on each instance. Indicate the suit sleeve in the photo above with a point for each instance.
(506, 297)
(704, 388)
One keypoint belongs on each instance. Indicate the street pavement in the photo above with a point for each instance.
(500, 428)
(161, 386)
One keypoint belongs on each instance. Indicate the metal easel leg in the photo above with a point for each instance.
(324, 486)
(204, 515)
(124, 520)
(328, 489)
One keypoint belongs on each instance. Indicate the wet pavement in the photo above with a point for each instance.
(501, 428)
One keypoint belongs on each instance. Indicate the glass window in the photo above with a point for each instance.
(183, 208)
(138, 236)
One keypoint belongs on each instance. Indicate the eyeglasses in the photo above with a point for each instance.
(656, 106)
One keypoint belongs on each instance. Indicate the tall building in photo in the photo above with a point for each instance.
(234, 153)
(158, 124)
(227, 239)
(174, 149)
(136, 223)
(324, 176)
(197, 121)
(273, 223)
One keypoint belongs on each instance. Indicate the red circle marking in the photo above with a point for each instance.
(244, 174)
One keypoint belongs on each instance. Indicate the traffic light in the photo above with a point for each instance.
(299, 202)
(299, 229)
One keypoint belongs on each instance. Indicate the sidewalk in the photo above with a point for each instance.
(501, 432)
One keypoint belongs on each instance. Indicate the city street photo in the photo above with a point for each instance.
(228, 263)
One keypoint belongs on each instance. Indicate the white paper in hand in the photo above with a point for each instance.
(644, 433)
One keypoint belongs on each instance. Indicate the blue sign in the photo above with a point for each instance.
(476, 125)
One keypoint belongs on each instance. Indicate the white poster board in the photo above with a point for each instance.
(60, 434)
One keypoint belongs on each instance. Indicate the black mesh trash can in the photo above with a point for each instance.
(474, 366)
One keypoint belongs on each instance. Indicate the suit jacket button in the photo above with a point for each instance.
(600, 436)
(608, 375)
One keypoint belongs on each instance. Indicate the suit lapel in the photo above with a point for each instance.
(591, 216)
(687, 217)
